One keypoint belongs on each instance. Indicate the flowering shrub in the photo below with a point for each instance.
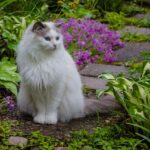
(90, 39)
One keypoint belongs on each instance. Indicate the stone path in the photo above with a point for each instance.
(90, 80)
(93, 70)
(132, 50)
(133, 29)
(143, 16)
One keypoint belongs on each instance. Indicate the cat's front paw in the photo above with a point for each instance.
(39, 119)
(51, 118)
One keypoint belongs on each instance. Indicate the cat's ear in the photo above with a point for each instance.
(38, 26)
(58, 25)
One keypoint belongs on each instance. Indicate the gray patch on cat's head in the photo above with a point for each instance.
(40, 28)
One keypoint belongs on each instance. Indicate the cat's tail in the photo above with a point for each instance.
(103, 106)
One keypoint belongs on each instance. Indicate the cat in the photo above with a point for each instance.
(51, 88)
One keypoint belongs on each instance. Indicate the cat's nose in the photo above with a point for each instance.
(54, 46)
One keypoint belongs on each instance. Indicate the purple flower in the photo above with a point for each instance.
(10, 103)
(91, 39)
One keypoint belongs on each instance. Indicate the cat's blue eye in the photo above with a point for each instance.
(47, 38)
(57, 38)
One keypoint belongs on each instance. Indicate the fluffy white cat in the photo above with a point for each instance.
(51, 88)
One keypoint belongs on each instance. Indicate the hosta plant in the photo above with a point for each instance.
(134, 96)
(9, 78)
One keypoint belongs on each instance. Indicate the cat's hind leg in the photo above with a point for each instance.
(24, 101)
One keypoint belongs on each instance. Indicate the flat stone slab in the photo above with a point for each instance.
(133, 29)
(106, 104)
(16, 140)
(143, 16)
(93, 83)
(132, 50)
(93, 70)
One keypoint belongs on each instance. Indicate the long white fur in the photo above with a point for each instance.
(51, 88)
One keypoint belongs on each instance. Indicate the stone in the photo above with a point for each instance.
(143, 16)
(133, 29)
(132, 50)
(107, 104)
(17, 140)
(93, 83)
(93, 70)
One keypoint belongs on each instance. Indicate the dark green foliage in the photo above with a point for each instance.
(104, 5)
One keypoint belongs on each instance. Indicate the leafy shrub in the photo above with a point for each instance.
(134, 96)
(132, 9)
(115, 20)
(8, 76)
(138, 22)
(89, 39)
(11, 29)
(73, 9)
(104, 5)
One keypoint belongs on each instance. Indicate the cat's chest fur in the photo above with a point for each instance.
(45, 73)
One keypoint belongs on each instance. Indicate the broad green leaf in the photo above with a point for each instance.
(10, 86)
(107, 76)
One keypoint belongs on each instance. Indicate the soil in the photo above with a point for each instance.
(25, 124)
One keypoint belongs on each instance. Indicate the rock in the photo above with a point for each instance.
(143, 16)
(17, 140)
(85, 148)
(133, 29)
(132, 50)
(61, 148)
(107, 104)
(93, 70)
(93, 83)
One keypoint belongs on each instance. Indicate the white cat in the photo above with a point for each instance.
(51, 88)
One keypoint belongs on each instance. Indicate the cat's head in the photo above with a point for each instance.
(47, 35)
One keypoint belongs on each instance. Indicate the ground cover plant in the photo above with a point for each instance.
(105, 138)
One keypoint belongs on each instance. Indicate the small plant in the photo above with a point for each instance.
(89, 40)
(6, 104)
(43, 142)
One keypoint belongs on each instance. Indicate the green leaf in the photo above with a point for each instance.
(107, 76)
(10, 86)
(8, 75)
